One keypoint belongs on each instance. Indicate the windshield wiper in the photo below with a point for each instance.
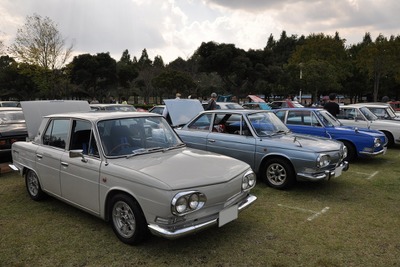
(176, 146)
(141, 151)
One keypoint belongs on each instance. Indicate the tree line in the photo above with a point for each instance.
(36, 66)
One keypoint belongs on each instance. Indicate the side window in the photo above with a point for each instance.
(82, 138)
(299, 117)
(201, 123)
(56, 133)
(315, 122)
(347, 114)
(281, 115)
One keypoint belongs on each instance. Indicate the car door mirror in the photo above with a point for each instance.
(75, 153)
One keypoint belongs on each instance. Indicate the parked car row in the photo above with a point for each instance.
(181, 169)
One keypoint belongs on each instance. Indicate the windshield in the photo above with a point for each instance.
(266, 124)
(368, 114)
(327, 118)
(132, 136)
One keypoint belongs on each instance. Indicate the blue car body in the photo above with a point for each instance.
(360, 142)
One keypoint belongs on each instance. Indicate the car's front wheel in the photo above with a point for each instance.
(278, 173)
(33, 186)
(127, 219)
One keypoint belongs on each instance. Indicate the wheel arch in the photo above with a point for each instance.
(109, 197)
(274, 156)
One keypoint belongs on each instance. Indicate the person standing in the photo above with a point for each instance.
(212, 103)
(331, 106)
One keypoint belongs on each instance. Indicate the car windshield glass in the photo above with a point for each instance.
(136, 135)
(368, 114)
(266, 124)
(9, 117)
(121, 108)
(327, 118)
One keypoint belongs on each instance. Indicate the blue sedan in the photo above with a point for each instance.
(361, 142)
(260, 139)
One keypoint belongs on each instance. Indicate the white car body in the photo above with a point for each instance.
(147, 181)
(360, 116)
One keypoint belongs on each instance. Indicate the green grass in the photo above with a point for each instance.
(352, 220)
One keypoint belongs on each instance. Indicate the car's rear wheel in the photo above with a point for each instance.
(33, 186)
(278, 173)
(127, 219)
(351, 151)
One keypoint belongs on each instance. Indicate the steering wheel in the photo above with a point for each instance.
(119, 146)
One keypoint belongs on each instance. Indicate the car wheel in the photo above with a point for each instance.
(278, 173)
(390, 138)
(351, 151)
(33, 186)
(127, 219)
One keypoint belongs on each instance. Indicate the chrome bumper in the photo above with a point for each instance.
(373, 154)
(173, 234)
(326, 175)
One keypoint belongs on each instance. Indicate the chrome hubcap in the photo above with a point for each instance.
(124, 219)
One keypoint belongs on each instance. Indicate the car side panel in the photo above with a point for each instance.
(233, 145)
(79, 180)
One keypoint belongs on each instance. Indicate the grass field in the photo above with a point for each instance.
(353, 220)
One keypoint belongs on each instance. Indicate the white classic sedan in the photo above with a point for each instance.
(129, 168)
(362, 117)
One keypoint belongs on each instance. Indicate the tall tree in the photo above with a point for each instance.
(378, 60)
(40, 43)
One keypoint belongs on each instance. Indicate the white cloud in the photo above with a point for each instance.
(176, 28)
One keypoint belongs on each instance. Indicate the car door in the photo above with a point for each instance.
(48, 156)
(79, 175)
(305, 122)
(196, 132)
(353, 117)
(231, 137)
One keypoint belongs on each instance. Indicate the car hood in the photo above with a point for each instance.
(308, 142)
(352, 129)
(181, 111)
(199, 168)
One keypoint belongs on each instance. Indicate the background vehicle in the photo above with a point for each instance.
(259, 138)
(362, 117)
(286, 104)
(113, 107)
(361, 142)
(12, 129)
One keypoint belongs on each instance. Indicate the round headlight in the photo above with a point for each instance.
(377, 142)
(181, 205)
(193, 201)
(323, 161)
(249, 180)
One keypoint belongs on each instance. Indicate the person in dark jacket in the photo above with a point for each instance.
(212, 103)
(331, 106)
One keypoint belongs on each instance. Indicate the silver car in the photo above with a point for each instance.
(362, 117)
(263, 141)
(130, 168)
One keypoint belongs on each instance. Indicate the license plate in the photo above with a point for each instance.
(338, 171)
(228, 215)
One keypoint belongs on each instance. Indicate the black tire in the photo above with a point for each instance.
(278, 173)
(351, 151)
(33, 186)
(127, 219)
(390, 139)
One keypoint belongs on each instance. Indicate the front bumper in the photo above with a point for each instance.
(173, 234)
(373, 154)
(326, 175)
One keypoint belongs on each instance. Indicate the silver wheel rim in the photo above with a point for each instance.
(33, 184)
(276, 174)
(124, 219)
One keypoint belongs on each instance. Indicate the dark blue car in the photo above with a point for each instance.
(360, 142)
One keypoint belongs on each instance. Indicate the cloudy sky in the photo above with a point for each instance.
(176, 28)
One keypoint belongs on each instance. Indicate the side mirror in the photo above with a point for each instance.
(75, 153)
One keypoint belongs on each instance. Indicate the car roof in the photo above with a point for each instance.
(380, 105)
